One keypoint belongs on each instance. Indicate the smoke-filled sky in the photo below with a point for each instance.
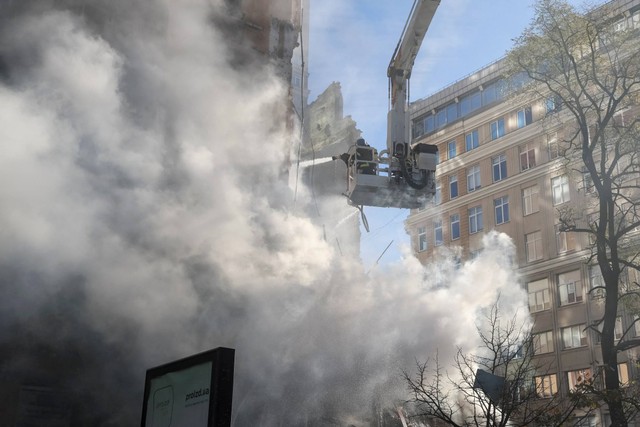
(352, 42)
(144, 218)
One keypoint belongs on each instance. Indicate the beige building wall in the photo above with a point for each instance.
(546, 260)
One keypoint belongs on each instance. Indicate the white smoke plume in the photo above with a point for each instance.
(144, 218)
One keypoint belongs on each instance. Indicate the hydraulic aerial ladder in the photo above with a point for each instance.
(401, 176)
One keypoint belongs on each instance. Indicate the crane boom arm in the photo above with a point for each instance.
(399, 72)
(411, 38)
(400, 176)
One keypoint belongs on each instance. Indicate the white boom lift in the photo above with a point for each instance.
(401, 176)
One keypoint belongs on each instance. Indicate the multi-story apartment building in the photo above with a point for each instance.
(500, 169)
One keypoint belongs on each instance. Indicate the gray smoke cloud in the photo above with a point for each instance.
(143, 219)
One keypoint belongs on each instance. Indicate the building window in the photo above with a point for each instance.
(429, 124)
(441, 118)
(546, 385)
(455, 226)
(636, 325)
(543, 343)
(570, 288)
(451, 148)
(524, 117)
(574, 336)
(620, 25)
(617, 330)
(552, 146)
(596, 282)
(530, 199)
(592, 221)
(560, 189)
(475, 219)
(437, 232)
(553, 104)
(489, 94)
(452, 112)
(527, 156)
(497, 129)
(501, 206)
(539, 298)
(587, 182)
(471, 140)
(623, 374)
(453, 186)
(470, 103)
(418, 128)
(533, 246)
(589, 421)
(422, 239)
(565, 240)
(437, 198)
(580, 376)
(499, 164)
(635, 19)
(473, 178)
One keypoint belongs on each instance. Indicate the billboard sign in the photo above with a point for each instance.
(191, 392)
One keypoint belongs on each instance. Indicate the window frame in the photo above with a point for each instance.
(501, 204)
(453, 184)
(422, 239)
(618, 330)
(471, 140)
(573, 332)
(565, 240)
(497, 129)
(499, 167)
(455, 232)
(475, 219)
(570, 287)
(577, 377)
(553, 149)
(596, 281)
(437, 197)
(438, 232)
(550, 105)
(549, 343)
(536, 242)
(473, 176)
(524, 117)
(540, 293)
(452, 149)
(560, 190)
(527, 152)
(532, 197)
(622, 376)
(543, 383)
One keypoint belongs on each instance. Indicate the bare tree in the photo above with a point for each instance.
(587, 67)
(496, 386)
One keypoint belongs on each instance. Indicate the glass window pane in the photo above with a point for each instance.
(429, 124)
(452, 113)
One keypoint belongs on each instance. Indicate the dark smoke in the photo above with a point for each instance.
(144, 218)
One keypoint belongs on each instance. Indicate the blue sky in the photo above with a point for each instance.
(351, 41)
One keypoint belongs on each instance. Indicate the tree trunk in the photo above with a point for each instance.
(610, 361)
(610, 267)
